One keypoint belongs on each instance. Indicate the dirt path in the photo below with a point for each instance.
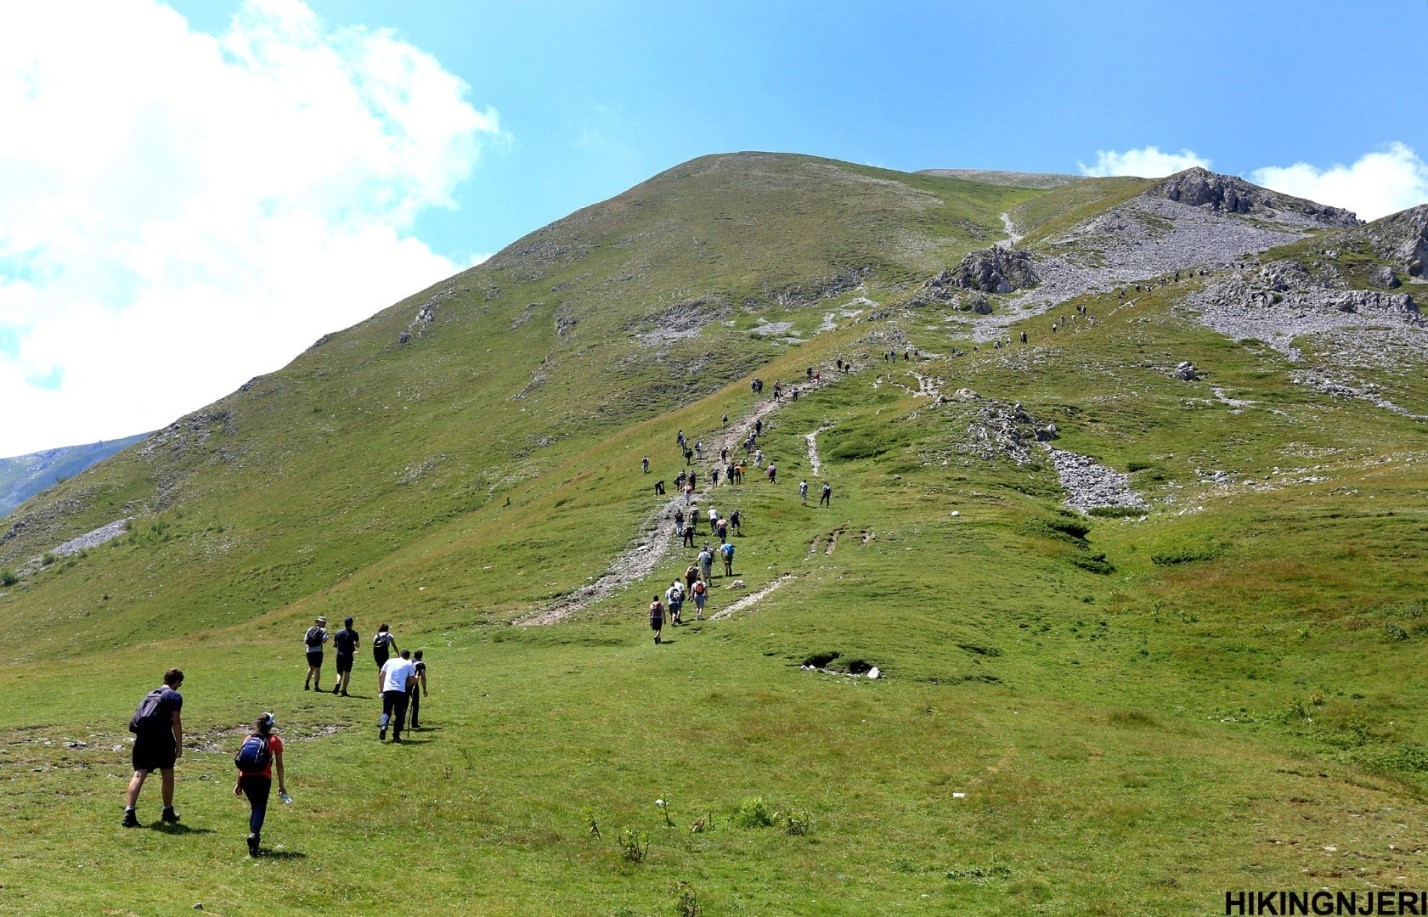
(649, 549)
(752, 599)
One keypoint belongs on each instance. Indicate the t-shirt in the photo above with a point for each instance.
(315, 637)
(395, 673)
(275, 748)
(170, 702)
(346, 641)
(418, 669)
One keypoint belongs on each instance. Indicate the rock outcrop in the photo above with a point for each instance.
(1202, 188)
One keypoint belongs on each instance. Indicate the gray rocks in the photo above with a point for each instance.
(1186, 372)
(1383, 276)
(1093, 486)
(994, 270)
(1202, 188)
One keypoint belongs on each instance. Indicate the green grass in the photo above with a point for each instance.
(1078, 714)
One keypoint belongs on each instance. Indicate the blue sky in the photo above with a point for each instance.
(260, 173)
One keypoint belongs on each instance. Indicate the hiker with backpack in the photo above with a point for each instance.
(706, 561)
(656, 617)
(418, 688)
(383, 646)
(315, 638)
(345, 641)
(726, 550)
(674, 596)
(259, 754)
(826, 499)
(701, 594)
(158, 744)
(393, 682)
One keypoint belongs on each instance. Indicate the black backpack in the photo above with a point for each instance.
(148, 717)
(254, 755)
(314, 636)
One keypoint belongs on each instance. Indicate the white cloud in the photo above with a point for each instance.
(1149, 162)
(181, 211)
(1378, 184)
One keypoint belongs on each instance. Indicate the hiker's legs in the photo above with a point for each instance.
(136, 783)
(257, 789)
(166, 786)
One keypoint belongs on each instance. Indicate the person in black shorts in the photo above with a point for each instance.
(158, 744)
(345, 641)
(656, 617)
(314, 639)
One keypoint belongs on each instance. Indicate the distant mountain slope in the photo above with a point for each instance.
(23, 476)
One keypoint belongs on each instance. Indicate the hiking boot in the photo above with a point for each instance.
(169, 816)
(130, 819)
(397, 738)
(252, 845)
(345, 694)
(382, 734)
(335, 688)
(306, 688)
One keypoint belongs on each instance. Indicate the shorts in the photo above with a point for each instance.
(154, 753)
(314, 659)
(656, 623)
(344, 663)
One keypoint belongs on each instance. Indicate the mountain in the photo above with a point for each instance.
(1126, 515)
(23, 476)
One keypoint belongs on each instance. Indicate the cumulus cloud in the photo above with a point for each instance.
(1376, 185)
(1149, 162)
(182, 211)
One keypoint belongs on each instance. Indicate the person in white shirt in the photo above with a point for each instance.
(392, 681)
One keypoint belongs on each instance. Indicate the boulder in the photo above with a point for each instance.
(1383, 276)
(1186, 372)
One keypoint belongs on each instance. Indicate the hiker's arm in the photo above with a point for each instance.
(278, 763)
(178, 735)
(424, 688)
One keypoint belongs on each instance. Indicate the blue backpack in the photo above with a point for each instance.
(254, 756)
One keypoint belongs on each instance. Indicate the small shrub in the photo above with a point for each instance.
(687, 904)
(1394, 631)
(753, 813)
(634, 846)
(796, 823)
(8, 577)
(48, 559)
(1184, 555)
(1092, 563)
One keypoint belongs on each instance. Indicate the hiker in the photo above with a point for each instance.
(726, 421)
(803, 492)
(701, 595)
(393, 682)
(738, 474)
(699, 449)
(345, 642)
(714, 477)
(314, 639)
(688, 536)
(260, 753)
(772, 472)
(645, 464)
(688, 456)
(659, 488)
(794, 393)
(758, 426)
(840, 364)
(706, 560)
(713, 518)
(417, 689)
(691, 575)
(810, 374)
(674, 596)
(722, 527)
(383, 645)
(679, 438)
(693, 479)
(688, 494)
(680, 478)
(759, 459)
(724, 455)
(734, 521)
(656, 617)
(158, 744)
(826, 498)
(678, 520)
(1023, 337)
(726, 550)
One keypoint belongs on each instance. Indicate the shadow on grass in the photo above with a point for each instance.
(180, 828)
(281, 855)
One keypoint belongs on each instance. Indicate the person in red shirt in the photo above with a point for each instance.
(258, 785)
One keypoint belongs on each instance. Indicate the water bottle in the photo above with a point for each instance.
(287, 800)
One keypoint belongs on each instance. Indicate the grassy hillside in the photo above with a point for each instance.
(23, 476)
(1113, 713)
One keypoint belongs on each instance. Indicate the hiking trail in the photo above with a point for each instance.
(656, 537)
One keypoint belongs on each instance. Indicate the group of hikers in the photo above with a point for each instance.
(668, 609)
(157, 724)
